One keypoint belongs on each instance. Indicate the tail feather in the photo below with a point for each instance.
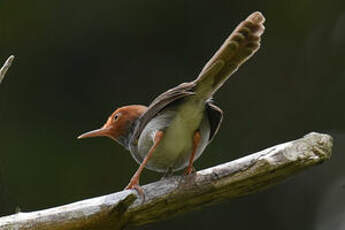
(242, 43)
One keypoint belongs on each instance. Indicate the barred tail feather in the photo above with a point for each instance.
(242, 43)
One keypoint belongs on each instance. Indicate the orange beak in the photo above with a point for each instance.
(102, 132)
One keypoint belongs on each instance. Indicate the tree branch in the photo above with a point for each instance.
(178, 194)
(5, 67)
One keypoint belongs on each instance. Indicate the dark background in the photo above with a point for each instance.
(76, 61)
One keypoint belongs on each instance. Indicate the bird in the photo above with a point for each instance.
(174, 130)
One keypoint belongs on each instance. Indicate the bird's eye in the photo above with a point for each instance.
(116, 116)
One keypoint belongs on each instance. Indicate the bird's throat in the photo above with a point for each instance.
(125, 138)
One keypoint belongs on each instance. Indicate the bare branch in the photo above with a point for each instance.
(178, 194)
(5, 67)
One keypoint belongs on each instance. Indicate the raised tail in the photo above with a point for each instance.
(242, 43)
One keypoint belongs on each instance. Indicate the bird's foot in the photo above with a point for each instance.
(135, 185)
(189, 170)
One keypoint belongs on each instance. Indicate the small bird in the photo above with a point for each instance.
(174, 130)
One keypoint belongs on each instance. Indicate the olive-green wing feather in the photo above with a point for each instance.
(160, 103)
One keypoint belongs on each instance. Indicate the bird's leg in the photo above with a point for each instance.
(134, 182)
(196, 141)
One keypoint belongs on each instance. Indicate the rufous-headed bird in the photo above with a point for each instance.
(174, 130)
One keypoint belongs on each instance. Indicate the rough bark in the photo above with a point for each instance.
(5, 67)
(179, 194)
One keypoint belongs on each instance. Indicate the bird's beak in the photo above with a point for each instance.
(95, 133)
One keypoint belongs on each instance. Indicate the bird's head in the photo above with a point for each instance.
(118, 125)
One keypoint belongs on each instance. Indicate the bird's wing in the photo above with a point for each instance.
(160, 103)
(215, 117)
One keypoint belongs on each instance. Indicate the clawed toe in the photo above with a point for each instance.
(139, 190)
(189, 170)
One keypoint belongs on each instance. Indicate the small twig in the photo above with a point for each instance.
(178, 194)
(5, 67)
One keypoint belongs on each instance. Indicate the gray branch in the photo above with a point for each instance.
(5, 67)
(179, 194)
